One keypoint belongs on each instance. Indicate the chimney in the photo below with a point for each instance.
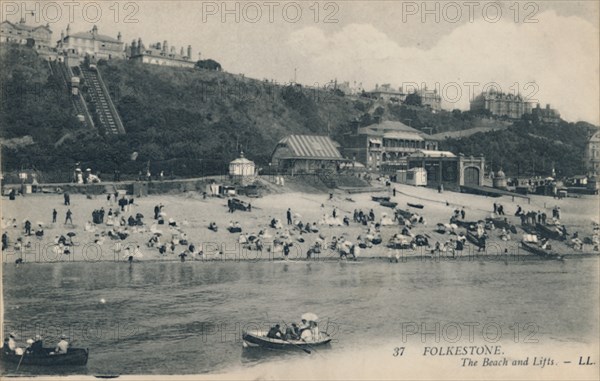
(165, 46)
(547, 106)
(119, 36)
(189, 51)
(181, 51)
(140, 48)
(94, 31)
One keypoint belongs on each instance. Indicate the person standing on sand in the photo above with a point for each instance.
(289, 216)
(54, 213)
(67, 198)
(394, 192)
(462, 213)
(68, 217)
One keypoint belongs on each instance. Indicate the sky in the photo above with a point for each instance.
(546, 51)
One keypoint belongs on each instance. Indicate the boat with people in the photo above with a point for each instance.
(47, 357)
(304, 336)
(259, 339)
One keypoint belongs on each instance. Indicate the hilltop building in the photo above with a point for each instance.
(297, 154)
(92, 44)
(356, 88)
(385, 146)
(160, 54)
(386, 93)
(501, 104)
(430, 98)
(546, 115)
(592, 155)
(38, 37)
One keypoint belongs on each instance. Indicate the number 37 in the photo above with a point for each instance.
(398, 351)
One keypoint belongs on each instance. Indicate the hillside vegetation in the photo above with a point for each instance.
(192, 122)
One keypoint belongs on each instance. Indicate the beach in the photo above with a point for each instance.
(192, 214)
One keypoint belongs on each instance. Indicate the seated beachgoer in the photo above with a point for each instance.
(275, 332)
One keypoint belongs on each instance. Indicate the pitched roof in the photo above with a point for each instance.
(90, 36)
(26, 27)
(432, 154)
(391, 128)
(310, 147)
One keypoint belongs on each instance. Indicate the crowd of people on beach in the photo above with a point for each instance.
(122, 220)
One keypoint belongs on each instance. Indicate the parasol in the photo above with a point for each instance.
(309, 316)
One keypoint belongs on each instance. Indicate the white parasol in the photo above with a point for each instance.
(309, 316)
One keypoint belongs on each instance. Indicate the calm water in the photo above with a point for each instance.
(187, 317)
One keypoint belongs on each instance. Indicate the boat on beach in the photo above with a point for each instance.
(550, 232)
(418, 206)
(380, 198)
(259, 339)
(74, 357)
(532, 247)
(474, 239)
(388, 204)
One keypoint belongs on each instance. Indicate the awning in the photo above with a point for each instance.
(375, 141)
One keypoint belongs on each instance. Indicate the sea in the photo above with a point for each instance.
(188, 318)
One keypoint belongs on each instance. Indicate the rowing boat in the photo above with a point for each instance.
(259, 339)
(380, 198)
(389, 204)
(73, 357)
(418, 206)
(538, 250)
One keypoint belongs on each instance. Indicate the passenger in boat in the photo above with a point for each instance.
(63, 345)
(5, 347)
(303, 326)
(314, 331)
(37, 347)
(275, 332)
(289, 334)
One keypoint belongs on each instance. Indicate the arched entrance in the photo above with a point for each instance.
(472, 176)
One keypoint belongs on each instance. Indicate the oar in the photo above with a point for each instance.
(304, 349)
(18, 366)
(287, 341)
(296, 345)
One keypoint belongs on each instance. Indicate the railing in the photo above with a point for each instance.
(105, 109)
(111, 105)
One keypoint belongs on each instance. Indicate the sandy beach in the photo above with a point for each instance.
(193, 214)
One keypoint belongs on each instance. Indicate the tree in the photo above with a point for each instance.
(209, 64)
(413, 99)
